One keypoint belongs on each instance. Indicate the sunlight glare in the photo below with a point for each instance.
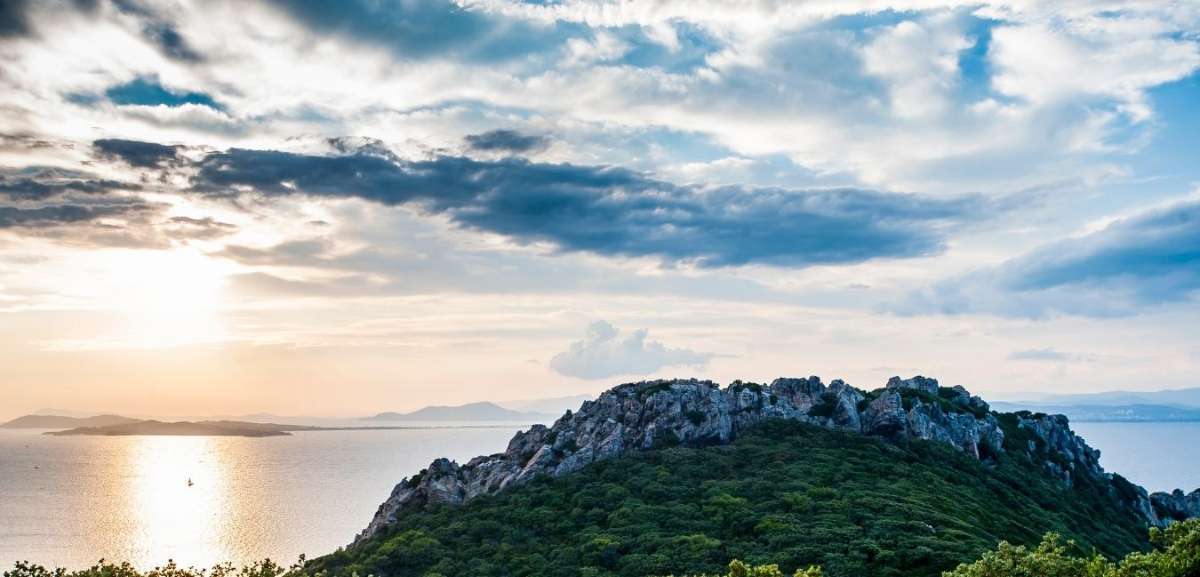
(175, 520)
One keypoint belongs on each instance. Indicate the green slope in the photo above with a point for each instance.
(785, 493)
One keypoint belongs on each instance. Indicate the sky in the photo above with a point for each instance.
(319, 208)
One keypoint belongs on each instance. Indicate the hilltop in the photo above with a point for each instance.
(681, 476)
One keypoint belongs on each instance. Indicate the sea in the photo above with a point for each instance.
(71, 501)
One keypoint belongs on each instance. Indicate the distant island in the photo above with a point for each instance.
(1167, 397)
(1177, 405)
(219, 428)
(547, 405)
(61, 422)
(1091, 413)
(482, 411)
(187, 428)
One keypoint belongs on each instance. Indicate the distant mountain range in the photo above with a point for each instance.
(549, 406)
(482, 411)
(187, 429)
(61, 422)
(1116, 406)
(1174, 398)
(1108, 413)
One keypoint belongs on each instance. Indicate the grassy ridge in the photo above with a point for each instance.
(786, 493)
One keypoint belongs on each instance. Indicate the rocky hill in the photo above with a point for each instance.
(641, 416)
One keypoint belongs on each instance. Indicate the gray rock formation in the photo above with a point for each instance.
(1176, 505)
(646, 415)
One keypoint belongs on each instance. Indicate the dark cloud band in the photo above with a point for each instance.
(33, 189)
(506, 141)
(1122, 269)
(48, 216)
(136, 153)
(612, 211)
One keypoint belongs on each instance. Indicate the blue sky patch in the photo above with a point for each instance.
(148, 92)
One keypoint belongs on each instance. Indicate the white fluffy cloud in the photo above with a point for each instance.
(603, 353)
(919, 60)
(1046, 63)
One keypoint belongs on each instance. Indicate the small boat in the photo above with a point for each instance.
(190, 483)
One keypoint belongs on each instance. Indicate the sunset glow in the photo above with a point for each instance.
(270, 206)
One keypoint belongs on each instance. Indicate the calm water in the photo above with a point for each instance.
(1157, 456)
(68, 501)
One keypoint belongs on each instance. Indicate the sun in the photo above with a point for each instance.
(148, 299)
(171, 298)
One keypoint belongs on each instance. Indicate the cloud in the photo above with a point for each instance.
(603, 354)
(1145, 260)
(136, 153)
(45, 186)
(1099, 56)
(160, 32)
(506, 141)
(75, 208)
(421, 29)
(15, 17)
(55, 215)
(919, 60)
(612, 211)
(1047, 355)
(186, 227)
(13, 20)
(171, 43)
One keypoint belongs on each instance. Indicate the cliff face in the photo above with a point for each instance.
(646, 415)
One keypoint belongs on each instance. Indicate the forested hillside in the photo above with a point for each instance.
(784, 493)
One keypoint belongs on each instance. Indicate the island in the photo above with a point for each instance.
(61, 422)
(225, 428)
(188, 428)
(481, 411)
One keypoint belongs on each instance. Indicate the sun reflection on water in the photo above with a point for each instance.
(173, 519)
(69, 501)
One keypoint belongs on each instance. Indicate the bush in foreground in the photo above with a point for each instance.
(740, 569)
(1176, 553)
(265, 568)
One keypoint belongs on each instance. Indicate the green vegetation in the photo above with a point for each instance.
(1176, 554)
(785, 493)
(740, 569)
(265, 568)
(942, 400)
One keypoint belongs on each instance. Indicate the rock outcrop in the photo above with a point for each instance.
(652, 414)
(1176, 505)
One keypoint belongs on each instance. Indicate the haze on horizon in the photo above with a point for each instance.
(310, 208)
